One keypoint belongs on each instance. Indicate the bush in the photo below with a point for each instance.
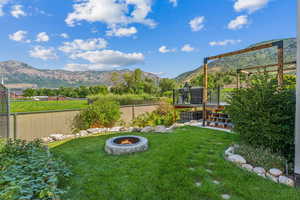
(102, 113)
(125, 99)
(261, 157)
(29, 171)
(163, 115)
(264, 115)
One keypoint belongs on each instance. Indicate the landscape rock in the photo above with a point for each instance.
(147, 129)
(271, 177)
(225, 196)
(248, 167)
(238, 159)
(92, 130)
(176, 125)
(259, 171)
(160, 129)
(198, 184)
(229, 151)
(285, 180)
(57, 137)
(275, 172)
(47, 139)
(116, 129)
(83, 133)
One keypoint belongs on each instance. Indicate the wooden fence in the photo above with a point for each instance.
(29, 126)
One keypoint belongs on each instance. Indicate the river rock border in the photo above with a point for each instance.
(93, 131)
(273, 174)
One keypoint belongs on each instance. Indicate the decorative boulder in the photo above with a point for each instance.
(47, 139)
(247, 167)
(160, 129)
(259, 171)
(92, 130)
(147, 129)
(238, 159)
(275, 172)
(271, 177)
(229, 151)
(57, 137)
(83, 133)
(287, 181)
(115, 129)
(176, 125)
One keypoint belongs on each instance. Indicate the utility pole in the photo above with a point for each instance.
(297, 122)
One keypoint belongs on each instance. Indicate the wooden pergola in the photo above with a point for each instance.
(280, 68)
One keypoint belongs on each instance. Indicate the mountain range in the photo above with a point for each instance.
(18, 74)
(255, 58)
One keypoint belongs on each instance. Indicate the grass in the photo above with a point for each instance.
(170, 169)
(33, 106)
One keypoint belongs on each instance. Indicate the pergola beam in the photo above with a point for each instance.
(259, 47)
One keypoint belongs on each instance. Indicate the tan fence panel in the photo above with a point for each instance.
(143, 109)
(29, 126)
(127, 114)
(38, 125)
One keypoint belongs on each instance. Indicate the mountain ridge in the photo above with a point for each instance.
(255, 58)
(16, 72)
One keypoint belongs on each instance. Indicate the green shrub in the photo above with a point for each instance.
(261, 157)
(29, 171)
(102, 113)
(264, 115)
(163, 115)
(126, 99)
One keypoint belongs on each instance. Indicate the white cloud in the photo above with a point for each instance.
(17, 11)
(121, 32)
(2, 4)
(110, 57)
(19, 36)
(224, 42)
(249, 5)
(164, 49)
(111, 12)
(174, 2)
(187, 48)
(43, 53)
(238, 22)
(42, 37)
(196, 24)
(64, 35)
(83, 45)
(104, 59)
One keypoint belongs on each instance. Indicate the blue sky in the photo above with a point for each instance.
(166, 37)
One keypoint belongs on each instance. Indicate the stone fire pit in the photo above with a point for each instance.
(126, 144)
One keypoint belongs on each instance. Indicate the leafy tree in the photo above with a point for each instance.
(166, 85)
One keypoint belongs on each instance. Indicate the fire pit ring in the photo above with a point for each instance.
(126, 144)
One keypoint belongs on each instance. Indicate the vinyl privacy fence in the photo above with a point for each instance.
(29, 126)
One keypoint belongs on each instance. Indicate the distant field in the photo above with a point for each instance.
(33, 106)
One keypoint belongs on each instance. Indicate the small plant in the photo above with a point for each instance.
(163, 115)
(29, 171)
(99, 114)
(261, 157)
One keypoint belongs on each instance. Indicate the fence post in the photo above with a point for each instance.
(133, 111)
(15, 126)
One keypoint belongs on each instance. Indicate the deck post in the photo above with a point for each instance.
(205, 85)
(297, 124)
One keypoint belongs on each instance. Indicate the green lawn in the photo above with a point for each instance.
(31, 106)
(170, 169)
